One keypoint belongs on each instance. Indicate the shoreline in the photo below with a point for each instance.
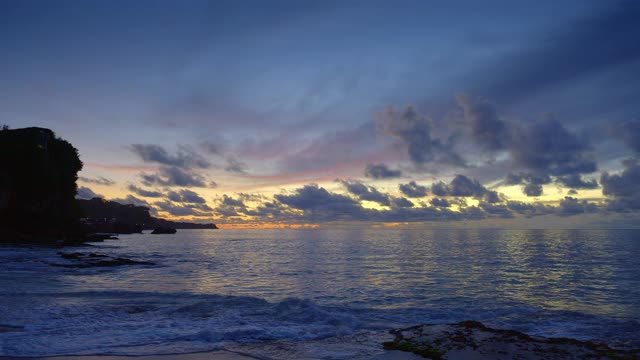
(206, 355)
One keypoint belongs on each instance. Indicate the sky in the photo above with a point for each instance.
(310, 112)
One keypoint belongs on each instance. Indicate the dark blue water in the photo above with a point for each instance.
(213, 288)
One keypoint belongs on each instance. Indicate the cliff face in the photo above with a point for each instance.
(37, 186)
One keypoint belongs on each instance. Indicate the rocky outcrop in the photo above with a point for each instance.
(474, 340)
(84, 260)
(38, 187)
(164, 230)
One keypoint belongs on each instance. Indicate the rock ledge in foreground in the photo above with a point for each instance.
(474, 340)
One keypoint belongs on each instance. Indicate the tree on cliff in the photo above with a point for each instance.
(37, 186)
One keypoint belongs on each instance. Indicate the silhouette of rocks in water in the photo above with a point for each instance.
(84, 260)
(164, 230)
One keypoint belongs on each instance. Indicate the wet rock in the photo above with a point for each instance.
(474, 340)
(83, 260)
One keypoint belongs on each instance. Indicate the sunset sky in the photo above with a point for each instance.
(295, 112)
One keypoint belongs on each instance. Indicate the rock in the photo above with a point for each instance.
(164, 230)
(96, 260)
(474, 340)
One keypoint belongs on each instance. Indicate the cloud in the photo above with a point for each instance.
(99, 180)
(464, 186)
(173, 176)
(623, 189)
(575, 181)
(368, 193)
(440, 202)
(440, 189)
(501, 211)
(532, 189)
(143, 192)
(198, 210)
(401, 202)
(530, 209)
(572, 206)
(185, 157)
(486, 128)
(321, 205)
(567, 54)
(185, 196)
(86, 193)
(547, 147)
(628, 132)
(235, 166)
(414, 133)
(413, 190)
(543, 147)
(380, 171)
(212, 147)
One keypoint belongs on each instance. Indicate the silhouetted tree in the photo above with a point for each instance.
(37, 186)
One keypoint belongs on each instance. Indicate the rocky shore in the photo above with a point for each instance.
(474, 340)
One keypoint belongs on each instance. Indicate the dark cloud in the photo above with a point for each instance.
(185, 196)
(532, 189)
(530, 209)
(145, 193)
(235, 166)
(623, 189)
(86, 193)
(572, 192)
(440, 189)
(440, 202)
(319, 204)
(580, 49)
(212, 147)
(575, 181)
(501, 211)
(414, 133)
(413, 190)
(380, 171)
(228, 200)
(185, 157)
(99, 180)
(544, 147)
(464, 186)
(365, 192)
(513, 179)
(492, 197)
(486, 128)
(628, 132)
(197, 210)
(572, 206)
(173, 176)
(400, 202)
(547, 147)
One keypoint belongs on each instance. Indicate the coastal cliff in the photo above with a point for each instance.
(99, 215)
(38, 187)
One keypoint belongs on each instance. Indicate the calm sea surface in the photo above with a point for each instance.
(210, 289)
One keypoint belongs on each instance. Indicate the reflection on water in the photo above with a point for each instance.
(210, 286)
(587, 270)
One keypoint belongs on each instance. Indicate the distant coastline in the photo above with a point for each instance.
(38, 195)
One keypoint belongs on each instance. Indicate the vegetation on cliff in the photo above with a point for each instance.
(38, 187)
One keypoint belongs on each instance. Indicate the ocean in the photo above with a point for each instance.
(333, 291)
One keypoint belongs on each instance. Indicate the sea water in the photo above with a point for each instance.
(213, 289)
